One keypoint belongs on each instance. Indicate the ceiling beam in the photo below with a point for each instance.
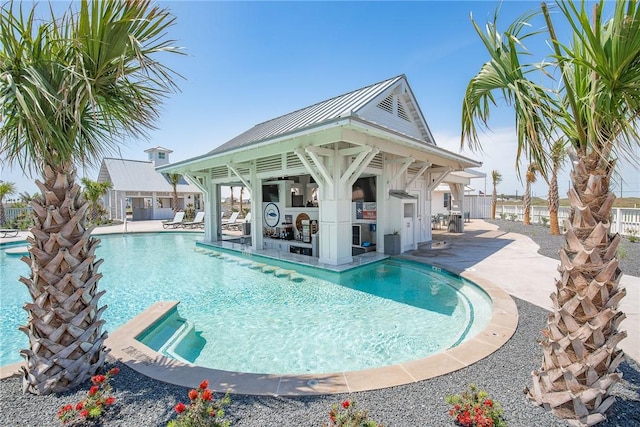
(406, 162)
(425, 166)
(232, 168)
(431, 186)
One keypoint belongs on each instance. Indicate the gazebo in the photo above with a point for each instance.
(334, 179)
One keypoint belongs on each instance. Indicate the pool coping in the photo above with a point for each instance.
(123, 346)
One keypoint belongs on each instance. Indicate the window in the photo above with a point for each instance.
(162, 156)
(447, 200)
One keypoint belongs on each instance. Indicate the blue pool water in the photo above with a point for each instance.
(251, 314)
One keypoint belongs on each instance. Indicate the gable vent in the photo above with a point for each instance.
(267, 164)
(387, 104)
(402, 113)
(219, 172)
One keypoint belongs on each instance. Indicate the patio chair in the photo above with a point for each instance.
(238, 224)
(9, 232)
(228, 225)
(198, 221)
(175, 222)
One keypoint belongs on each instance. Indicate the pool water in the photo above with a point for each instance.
(251, 314)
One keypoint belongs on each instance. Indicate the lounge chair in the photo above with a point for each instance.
(237, 225)
(175, 222)
(198, 221)
(231, 223)
(9, 232)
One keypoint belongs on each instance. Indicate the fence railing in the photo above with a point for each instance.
(13, 213)
(624, 221)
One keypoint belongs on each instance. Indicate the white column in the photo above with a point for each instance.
(335, 231)
(257, 238)
(335, 217)
(212, 213)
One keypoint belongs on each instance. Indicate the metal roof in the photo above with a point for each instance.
(136, 175)
(335, 108)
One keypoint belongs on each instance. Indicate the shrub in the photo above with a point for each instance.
(202, 411)
(346, 415)
(474, 408)
(92, 407)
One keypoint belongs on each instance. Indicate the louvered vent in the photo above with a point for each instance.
(293, 161)
(376, 163)
(219, 172)
(387, 104)
(402, 113)
(267, 164)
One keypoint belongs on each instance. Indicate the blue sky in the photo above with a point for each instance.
(248, 62)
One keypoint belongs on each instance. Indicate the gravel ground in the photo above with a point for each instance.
(504, 374)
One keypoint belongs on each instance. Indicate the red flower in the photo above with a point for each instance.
(332, 417)
(193, 394)
(207, 395)
(64, 410)
(204, 384)
(84, 414)
(110, 400)
(345, 404)
(180, 408)
(114, 371)
(79, 406)
(488, 402)
(93, 390)
(98, 379)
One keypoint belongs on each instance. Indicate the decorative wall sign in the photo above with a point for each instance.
(271, 215)
(301, 217)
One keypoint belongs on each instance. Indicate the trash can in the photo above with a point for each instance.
(455, 224)
(246, 228)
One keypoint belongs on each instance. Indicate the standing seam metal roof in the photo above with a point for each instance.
(339, 106)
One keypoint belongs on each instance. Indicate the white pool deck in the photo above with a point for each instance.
(502, 263)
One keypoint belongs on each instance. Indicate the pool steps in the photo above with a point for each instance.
(266, 268)
(169, 348)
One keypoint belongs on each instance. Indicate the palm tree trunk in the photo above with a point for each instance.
(494, 202)
(526, 216)
(553, 205)
(64, 322)
(579, 344)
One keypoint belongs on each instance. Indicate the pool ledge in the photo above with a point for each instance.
(124, 347)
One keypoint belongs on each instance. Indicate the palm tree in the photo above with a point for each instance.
(26, 198)
(174, 180)
(595, 105)
(92, 193)
(557, 156)
(231, 188)
(71, 90)
(496, 178)
(6, 189)
(241, 191)
(530, 178)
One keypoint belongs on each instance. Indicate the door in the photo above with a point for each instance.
(408, 227)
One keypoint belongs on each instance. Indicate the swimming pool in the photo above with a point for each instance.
(245, 315)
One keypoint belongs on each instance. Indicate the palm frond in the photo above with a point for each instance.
(73, 89)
